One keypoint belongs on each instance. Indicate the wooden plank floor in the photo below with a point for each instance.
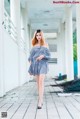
(21, 103)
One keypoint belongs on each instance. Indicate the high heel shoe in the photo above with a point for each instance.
(39, 106)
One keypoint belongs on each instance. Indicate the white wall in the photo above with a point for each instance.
(24, 69)
(53, 66)
(59, 67)
(11, 64)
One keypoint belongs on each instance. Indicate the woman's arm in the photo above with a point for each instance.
(30, 55)
(46, 55)
(40, 57)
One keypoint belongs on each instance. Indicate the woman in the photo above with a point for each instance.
(38, 59)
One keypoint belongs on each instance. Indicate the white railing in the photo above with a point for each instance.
(11, 29)
(9, 26)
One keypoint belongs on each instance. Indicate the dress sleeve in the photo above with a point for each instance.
(47, 54)
(30, 55)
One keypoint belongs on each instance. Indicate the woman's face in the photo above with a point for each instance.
(38, 36)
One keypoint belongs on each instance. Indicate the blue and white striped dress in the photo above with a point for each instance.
(40, 66)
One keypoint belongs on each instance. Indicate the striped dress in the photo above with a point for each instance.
(40, 66)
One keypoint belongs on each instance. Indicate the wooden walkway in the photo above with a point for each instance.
(21, 103)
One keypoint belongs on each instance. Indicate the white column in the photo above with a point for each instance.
(23, 23)
(15, 11)
(26, 29)
(25, 35)
(2, 83)
(30, 37)
(29, 27)
(61, 50)
(69, 44)
(24, 26)
(15, 17)
(78, 36)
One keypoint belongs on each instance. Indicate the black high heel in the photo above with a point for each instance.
(39, 107)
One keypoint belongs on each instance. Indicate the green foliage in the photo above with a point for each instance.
(74, 38)
(75, 51)
(9, 1)
(75, 45)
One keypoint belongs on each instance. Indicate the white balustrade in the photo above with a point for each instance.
(9, 26)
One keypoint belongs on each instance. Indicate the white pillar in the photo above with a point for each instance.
(15, 11)
(30, 35)
(15, 17)
(78, 36)
(24, 26)
(29, 27)
(69, 44)
(23, 20)
(25, 35)
(61, 49)
(2, 83)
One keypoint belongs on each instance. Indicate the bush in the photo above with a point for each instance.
(75, 51)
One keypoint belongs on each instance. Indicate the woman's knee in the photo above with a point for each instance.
(42, 76)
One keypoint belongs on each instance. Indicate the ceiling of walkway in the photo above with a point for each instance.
(45, 15)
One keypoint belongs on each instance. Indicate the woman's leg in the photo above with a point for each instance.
(37, 80)
(41, 88)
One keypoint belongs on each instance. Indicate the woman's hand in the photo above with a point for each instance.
(40, 57)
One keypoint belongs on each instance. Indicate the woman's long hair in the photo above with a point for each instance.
(34, 39)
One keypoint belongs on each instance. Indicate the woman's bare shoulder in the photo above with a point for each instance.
(46, 45)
